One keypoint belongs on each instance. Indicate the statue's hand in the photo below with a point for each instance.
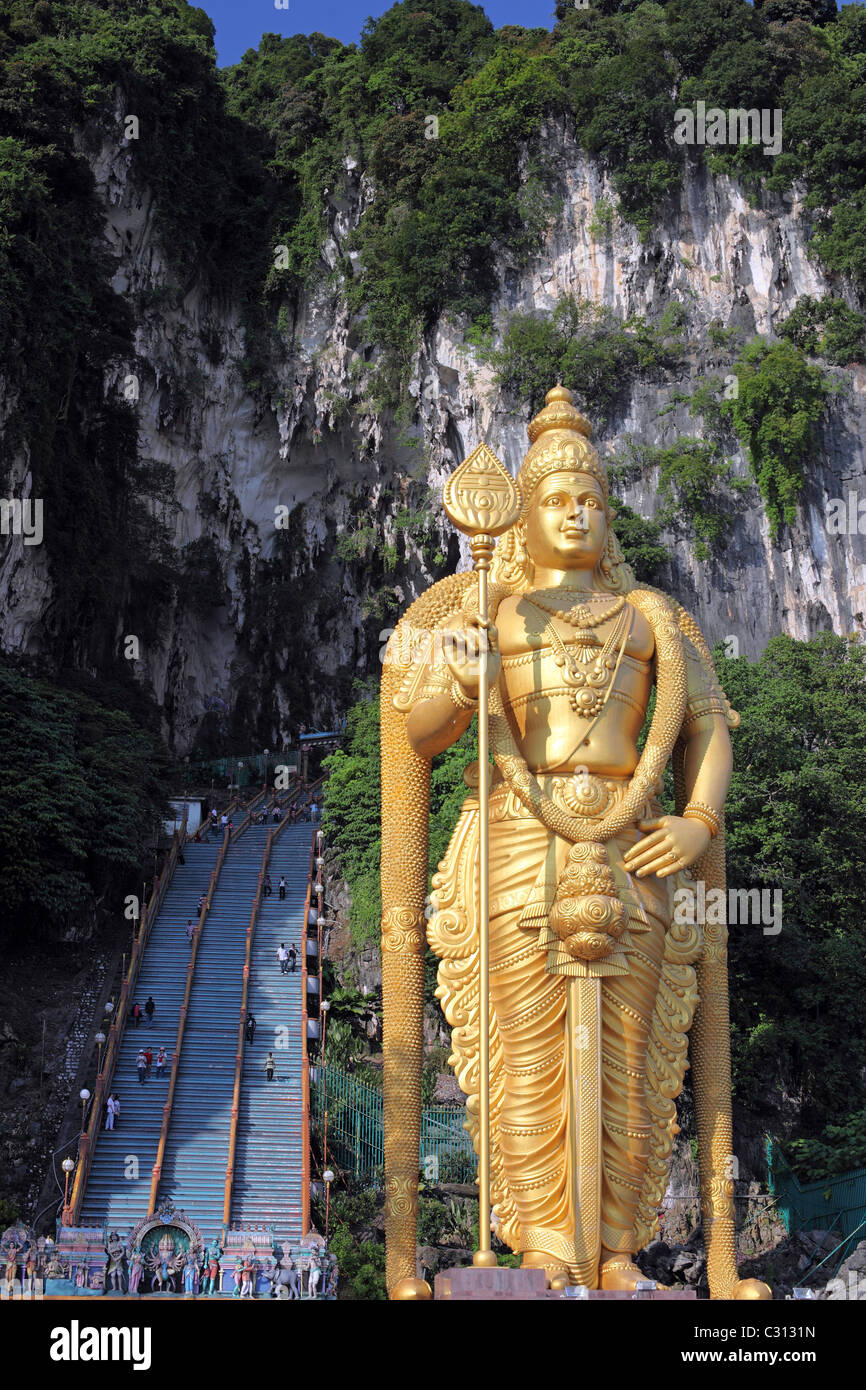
(462, 644)
(672, 843)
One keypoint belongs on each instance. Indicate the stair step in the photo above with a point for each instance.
(268, 1160)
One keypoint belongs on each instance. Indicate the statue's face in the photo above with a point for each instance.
(566, 525)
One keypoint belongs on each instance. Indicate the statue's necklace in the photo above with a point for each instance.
(588, 690)
(581, 615)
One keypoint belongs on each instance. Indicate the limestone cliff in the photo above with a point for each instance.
(266, 483)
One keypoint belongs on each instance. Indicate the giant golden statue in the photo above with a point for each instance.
(594, 982)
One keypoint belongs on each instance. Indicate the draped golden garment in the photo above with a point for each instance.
(545, 1115)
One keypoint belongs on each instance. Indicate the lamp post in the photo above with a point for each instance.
(109, 1010)
(328, 1176)
(68, 1166)
(265, 753)
(100, 1042)
(323, 1010)
(319, 888)
(84, 1096)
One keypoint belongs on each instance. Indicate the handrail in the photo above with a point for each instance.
(305, 1058)
(105, 1077)
(242, 1023)
(232, 806)
(247, 807)
(156, 1173)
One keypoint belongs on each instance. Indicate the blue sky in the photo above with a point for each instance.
(241, 23)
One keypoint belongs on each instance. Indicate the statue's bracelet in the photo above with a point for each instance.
(459, 699)
(699, 810)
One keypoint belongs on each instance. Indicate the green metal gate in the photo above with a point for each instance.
(355, 1132)
(835, 1204)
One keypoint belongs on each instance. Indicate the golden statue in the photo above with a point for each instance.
(568, 979)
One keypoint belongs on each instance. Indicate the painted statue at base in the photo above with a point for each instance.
(115, 1255)
(165, 1263)
(290, 1277)
(596, 974)
(314, 1275)
(213, 1275)
(248, 1277)
(16, 1245)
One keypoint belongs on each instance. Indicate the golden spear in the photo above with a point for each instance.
(482, 500)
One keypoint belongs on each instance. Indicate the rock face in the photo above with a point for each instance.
(269, 484)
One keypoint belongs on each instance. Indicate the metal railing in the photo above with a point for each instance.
(305, 1052)
(156, 1174)
(242, 1022)
(356, 1138)
(836, 1204)
(72, 1210)
(207, 823)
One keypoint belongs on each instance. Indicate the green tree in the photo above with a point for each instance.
(588, 349)
(83, 785)
(793, 819)
(780, 399)
(827, 328)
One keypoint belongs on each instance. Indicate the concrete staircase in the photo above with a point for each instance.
(268, 1169)
(119, 1185)
(196, 1154)
(267, 1177)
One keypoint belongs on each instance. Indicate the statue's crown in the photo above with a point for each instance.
(559, 413)
(559, 438)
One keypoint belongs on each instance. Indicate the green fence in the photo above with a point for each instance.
(834, 1204)
(242, 770)
(355, 1132)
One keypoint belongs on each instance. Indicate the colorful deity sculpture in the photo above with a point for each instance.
(569, 981)
(212, 1281)
(115, 1252)
(248, 1277)
(136, 1269)
(165, 1263)
(15, 1245)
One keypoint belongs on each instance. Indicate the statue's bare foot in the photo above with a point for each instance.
(621, 1273)
(556, 1273)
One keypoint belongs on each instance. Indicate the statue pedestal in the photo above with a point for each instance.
(471, 1284)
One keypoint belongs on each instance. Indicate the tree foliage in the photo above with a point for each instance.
(83, 785)
(780, 399)
(840, 1148)
(827, 328)
(586, 348)
(794, 816)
